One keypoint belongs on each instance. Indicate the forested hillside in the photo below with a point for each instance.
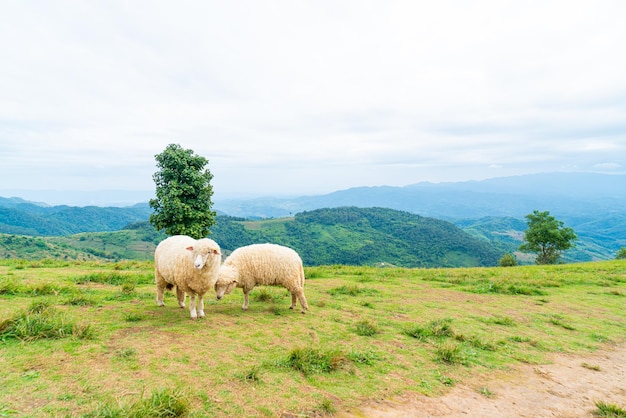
(26, 218)
(350, 236)
(356, 236)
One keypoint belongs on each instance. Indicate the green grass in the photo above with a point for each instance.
(609, 410)
(87, 339)
(309, 360)
(42, 321)
(162, 403)
(366, 328)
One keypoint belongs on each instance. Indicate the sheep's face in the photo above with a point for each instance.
(204, 255)
(226, 281)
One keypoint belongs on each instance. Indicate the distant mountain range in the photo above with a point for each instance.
(594, 205)
(563, 194)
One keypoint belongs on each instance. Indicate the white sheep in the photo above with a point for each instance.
(190, 265)
(262, 264)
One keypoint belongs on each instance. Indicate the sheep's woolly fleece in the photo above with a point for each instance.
(190, 265)
(263, 264)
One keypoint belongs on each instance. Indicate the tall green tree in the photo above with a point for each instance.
(183, 193)
(547, 237)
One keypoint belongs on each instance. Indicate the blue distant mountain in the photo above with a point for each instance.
(563, 194)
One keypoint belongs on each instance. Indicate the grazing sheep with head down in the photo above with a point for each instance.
(190, 265)
(262, 264)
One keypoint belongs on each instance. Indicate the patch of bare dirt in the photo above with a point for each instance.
(567, 387)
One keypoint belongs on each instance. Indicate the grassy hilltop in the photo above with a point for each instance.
(86, 339)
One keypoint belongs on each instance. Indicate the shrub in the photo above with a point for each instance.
(507, 260)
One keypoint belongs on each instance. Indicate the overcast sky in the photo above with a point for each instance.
(308, 97)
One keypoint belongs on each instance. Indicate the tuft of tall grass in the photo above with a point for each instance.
(133, 317)
(163, 403)
(308, 360)
(265, 295)
(352, 290)
(559, 321)
(42, 321)
(450, 352)
(436, 328)
(107, 277)
(506, 321)
(5, 411)
(125, 353)
(491, 286)
(80, 300)
(326, 407)
(609, 410)
(252, 375)
(10, 286)
(128, 288)
(366, 328)
(367, 357)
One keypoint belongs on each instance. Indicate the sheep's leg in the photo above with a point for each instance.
(302, 300)
(159, 296)
(293, 300)
(192, 306)
(201, 306)
(245, 300)
(160, 285)
(180, 295)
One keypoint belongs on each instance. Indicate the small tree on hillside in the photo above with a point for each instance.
(621, 254)
(183, 193)
(547, 237)
(507, 260)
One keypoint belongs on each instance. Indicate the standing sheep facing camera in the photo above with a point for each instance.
(262, 264)
(190, 265)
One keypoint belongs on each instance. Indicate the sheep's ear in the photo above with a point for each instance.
(190, 248)
(217, 252)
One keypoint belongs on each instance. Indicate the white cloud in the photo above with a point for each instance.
(608, 166)
(306, 97)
